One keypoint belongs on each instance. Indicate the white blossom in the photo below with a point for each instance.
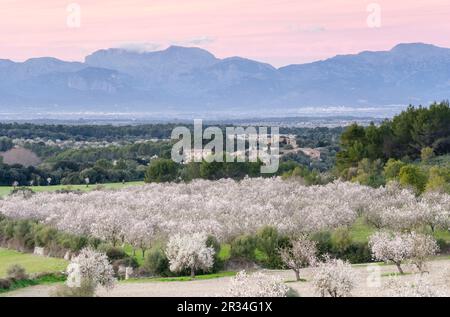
(189, 252)
(334, 278)
(421, 286)
(90, 266)
(302, 254)
(257, 285)
(398, 247)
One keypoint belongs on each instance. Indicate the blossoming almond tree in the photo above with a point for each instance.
(300, 255)
(422, 248)
(140, 235)
(391, 247)
(189, 252)
(257, 285)
(398, 247)
(420, 287)
(227, 208)
(90, 268)
(334, 277)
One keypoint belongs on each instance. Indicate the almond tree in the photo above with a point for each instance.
(399, 247)
(140, 235)
(257, 285)
(391, 247)
(334, 277)
(422, 248)
(189, 252)
(302, 254)
(90, 268)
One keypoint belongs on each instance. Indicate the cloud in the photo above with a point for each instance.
(196, 41)
(140, 47)
(307, 29)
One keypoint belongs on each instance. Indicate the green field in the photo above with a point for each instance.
(5, 190)
(32, 263)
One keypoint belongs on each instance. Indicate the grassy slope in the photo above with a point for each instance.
(32, 263)
(5, 190)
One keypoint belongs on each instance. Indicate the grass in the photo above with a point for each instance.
(225, 252)
(442, 235)
(394, 274)
(295, 281)
(31, 263)
(180, 278)
(5, 190)
(360, 231)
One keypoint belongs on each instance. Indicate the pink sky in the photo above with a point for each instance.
(279, 32)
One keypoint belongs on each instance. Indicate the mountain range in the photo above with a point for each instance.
(188, 78)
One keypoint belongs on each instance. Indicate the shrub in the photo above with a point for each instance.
(161, 170)
(324, 243)
(44, 235)
(412, 175)
(86, 289)
(156, 263)
(243, 247)
(340, 245)
(17, 272)
(128, 262)
(113, 253)
(269, 241)
(426, 154)
(357, 252)
(392, 169)
(341, 240)
(5, 283)
(212, 242)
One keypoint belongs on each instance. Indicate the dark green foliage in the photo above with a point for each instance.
(413, 176)
(161, 170)
(243, 247)
(5, 283)
(86, 132)
(156, 263)
(29, 233)
(5, 144)
(404, 136)
(340, 245)
(113, 253)
(269, 241)
(212, 242)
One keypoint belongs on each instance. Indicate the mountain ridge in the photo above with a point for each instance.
(191, 78)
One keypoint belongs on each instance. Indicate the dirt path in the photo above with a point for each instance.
(365, 284)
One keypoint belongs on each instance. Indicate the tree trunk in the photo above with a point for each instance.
(143, 253)
(297, 275)
(192, 272)
(399, 268)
